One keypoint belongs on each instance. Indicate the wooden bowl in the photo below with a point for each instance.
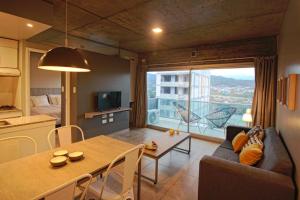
(151, 147)
(58, 161)
(77, 155)
(62, 152)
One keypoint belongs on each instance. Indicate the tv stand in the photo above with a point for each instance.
(90, 115)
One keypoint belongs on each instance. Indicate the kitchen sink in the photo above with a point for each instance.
(4, 123)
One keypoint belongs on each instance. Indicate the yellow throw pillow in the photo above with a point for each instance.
(251, 154)
(239, 141)
(254, 140)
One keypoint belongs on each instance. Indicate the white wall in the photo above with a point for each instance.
(42, 78)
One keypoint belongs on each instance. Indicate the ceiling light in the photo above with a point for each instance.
(29, 25)
(157, 30)
(64, 59)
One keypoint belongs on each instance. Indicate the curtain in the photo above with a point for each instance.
(264, 99)
(140, 104)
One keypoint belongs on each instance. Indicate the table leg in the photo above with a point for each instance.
(156, 171)
(155, 179)
(186, 151)
(139, 180)
(190, 143)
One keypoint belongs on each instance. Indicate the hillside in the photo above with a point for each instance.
(217, 81)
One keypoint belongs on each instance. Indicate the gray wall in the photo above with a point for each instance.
(109, 73)
(288, 122)
(42, 78)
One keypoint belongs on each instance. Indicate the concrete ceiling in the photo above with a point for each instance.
(185, 23)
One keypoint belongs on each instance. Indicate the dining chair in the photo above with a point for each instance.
(68, 191)
(99, 189)
(64, 134)
(15, 147)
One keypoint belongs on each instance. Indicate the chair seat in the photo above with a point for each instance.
(94, 192)
(109, 193)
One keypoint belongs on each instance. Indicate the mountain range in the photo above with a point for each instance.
(217, 81)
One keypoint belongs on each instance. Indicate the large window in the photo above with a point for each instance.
(204, 103)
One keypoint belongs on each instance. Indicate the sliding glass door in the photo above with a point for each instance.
(219, 97)
(202, 101)
(168, 94)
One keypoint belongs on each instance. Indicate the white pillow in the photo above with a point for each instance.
(40, 100)
(55, 99)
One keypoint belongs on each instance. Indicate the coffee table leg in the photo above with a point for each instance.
(155, 180)
(156, 171)
(190, 143)
(186, 151)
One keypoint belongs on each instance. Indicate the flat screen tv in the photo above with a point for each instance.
(109, 100)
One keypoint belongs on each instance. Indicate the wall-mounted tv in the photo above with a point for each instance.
(109, 100)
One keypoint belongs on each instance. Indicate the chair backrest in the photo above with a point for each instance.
(12, 148)
(67, 191)
(183, 112)
(131, 159)
(220, 116)
(64, 134)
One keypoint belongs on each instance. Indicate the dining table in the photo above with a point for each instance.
(29, 177)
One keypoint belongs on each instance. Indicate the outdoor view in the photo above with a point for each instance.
(216, 98)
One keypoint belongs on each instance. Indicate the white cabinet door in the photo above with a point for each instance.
(8, 53)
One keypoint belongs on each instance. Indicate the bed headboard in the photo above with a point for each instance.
(44, 91)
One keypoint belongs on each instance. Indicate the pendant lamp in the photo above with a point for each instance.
(64, 59)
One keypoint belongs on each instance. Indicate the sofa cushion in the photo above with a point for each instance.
(226, 154)
(275, 156)
(227, 145)
(251, 154)
(239, 141)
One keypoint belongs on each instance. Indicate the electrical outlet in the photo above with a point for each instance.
(104, 121)
(110, 120)
(74, 90)
(111, 114)
(104, 116)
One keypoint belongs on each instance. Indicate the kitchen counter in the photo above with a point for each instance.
(20, 121)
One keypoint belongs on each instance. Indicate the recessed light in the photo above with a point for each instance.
(29, 25)
(157, 30)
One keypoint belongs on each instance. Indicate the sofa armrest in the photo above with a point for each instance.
(223, 179)
(232, 131)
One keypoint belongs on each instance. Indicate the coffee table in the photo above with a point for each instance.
(164, 140)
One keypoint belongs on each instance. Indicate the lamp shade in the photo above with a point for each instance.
(64, 59)
(247, 117)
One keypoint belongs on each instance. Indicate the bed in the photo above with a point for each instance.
(46, 101)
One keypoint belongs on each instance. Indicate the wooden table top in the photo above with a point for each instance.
(31, 176)
(164, 140)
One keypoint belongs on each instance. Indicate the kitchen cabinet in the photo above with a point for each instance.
(8, 53)
(36, 127)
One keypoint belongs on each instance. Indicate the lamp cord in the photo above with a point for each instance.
(66, 25)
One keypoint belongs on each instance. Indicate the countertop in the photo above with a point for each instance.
(25, 120)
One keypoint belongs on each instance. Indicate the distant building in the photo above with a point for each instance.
(173, 86)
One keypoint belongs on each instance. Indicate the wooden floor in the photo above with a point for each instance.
(178, 172)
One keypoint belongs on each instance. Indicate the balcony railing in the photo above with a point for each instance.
(163, 113)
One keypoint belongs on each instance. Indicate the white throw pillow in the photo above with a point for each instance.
(55, 99)
(40, 100)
